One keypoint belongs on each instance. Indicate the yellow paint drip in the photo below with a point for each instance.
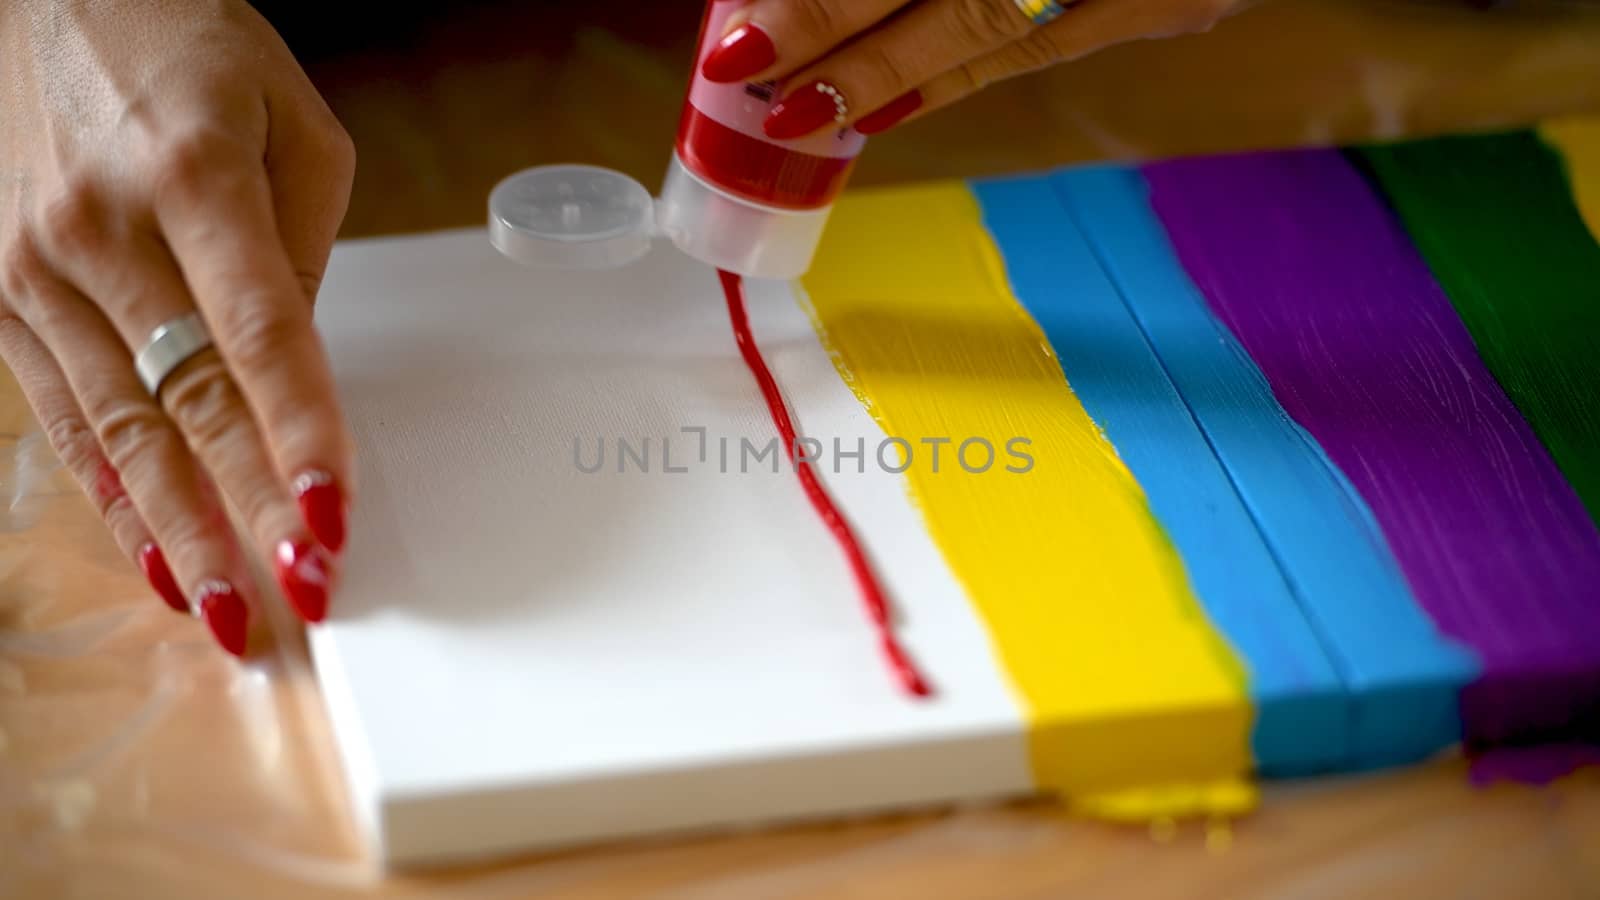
(1227, 797)
(1125, 682)
(1578, 141)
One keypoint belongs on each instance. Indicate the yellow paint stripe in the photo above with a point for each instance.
(1578, 141)
(1125, 682)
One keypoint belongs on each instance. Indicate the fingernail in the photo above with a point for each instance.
(322, 506)
(160, 577)
(225, 614)
(889, 116)
(744, 52)
(806, 110)
(305, 573)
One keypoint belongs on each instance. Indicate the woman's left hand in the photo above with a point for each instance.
(887, 61)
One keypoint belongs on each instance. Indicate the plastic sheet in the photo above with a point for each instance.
(137, 760)
(122, 726)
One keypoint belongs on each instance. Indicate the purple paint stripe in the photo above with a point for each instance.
(1302, 260)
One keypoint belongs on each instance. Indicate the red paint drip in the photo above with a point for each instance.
(872, 593)
(107, 483)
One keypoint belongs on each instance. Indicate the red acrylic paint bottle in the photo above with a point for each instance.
(733, 198)
(736, 198)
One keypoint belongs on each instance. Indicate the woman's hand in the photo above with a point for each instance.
(160, 159)
(890, 60)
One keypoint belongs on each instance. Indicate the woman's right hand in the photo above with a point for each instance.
(874, 64)
(160, 159)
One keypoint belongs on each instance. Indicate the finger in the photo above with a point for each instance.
(1086, 28)
(75, 444)
(310, 164)
(160, 476)
(215, 209)
(69, 434)
(771, 38)
(137, 284)
(906, 52)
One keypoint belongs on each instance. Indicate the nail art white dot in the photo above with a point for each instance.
(305, 481)
(208, 588)
(841, 108)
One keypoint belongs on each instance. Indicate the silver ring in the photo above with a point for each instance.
(170, 346)
(1042, 12)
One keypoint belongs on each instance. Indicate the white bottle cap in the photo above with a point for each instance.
(571, 217)
(585, 217)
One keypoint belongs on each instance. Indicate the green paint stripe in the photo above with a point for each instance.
(1495, 218)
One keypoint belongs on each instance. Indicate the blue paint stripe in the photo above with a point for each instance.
(1303, 710)
(1404, 676)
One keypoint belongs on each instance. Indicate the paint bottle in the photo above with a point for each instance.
(733, 198)
(736, 198)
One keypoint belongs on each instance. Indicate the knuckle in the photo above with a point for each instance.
(821, 20)
(205, 404)
(888, 72)
(310, 283)
(19, 268)
(266, 510)
(122, 517)
(13, 331)
(981, 24)
(213, 417)
(258, 333)
(974, 76)
(75, 444)
(323, 137)
(78, 448)
(340, 149)
(1036, 51)
(21, 351)
(186, 538)
(72, 221)
(130, 433)
(186, 163)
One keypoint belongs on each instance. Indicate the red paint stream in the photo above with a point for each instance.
(872, 593)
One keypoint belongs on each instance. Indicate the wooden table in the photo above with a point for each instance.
(135, 761)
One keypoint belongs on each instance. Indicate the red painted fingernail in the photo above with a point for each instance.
(889, 116)
(225, 614)
(806, 110)
(744, 52)
(306, 574)
(322, 506)
(160, 577)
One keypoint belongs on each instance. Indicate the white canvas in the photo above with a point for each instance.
(523, 655)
